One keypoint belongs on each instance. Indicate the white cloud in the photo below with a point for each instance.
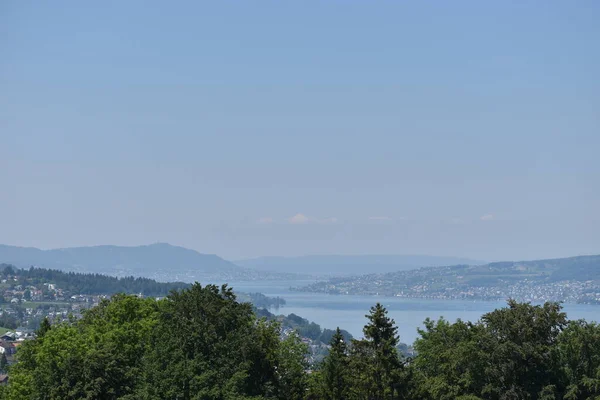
(380, 219)
(266, 220)
(487, 217)
(299, 219)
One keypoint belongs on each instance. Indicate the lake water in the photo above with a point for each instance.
(348, 312)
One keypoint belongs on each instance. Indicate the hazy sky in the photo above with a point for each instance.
(249, 128)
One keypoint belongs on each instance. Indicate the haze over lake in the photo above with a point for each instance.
(348, 312)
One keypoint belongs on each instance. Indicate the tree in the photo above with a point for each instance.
(98, 356)
(383, 335)
(7, 270)
(327, 335)
(310, 330)
(198, 343)
(334, 369)
(579, 347)
(511, 353)
(201, 343)
(27, 295)
(374, 361)
(523, 356)
(3, 363)
(361, 367)
(450, 361)
(206, 345)
(44, 328)
(291, 368)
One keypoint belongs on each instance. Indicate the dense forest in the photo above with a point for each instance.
(82, 283)
(201, 343)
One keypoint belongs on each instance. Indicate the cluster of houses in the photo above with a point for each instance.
(8, 346)
(19, 293)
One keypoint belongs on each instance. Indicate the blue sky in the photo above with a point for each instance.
(289, 128)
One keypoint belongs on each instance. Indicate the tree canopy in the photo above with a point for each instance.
(198, 343)
(201, 343)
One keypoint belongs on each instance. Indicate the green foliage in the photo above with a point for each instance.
(335, 369)
(327, 335)
(44, 328)
(311, 331)
(9, 321)
(291, 370)
(3, 363)
(208, 346)
(521, 343)
(96, 357)
(261, 301)
(512, 353)
(375, 364)
(448, 362)
(201, 343)
(579, 348)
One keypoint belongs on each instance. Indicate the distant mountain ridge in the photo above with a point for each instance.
(165, 262)
(160, 261)
(344, 265)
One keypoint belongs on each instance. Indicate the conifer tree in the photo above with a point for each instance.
(44, 327)
(382, 337)
(335, 368)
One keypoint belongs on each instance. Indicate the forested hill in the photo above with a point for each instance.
(80, 283)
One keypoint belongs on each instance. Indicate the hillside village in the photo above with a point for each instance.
(24, 305)
(569, 280)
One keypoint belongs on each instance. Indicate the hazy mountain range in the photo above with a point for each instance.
(166, 262)
(160, 261)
